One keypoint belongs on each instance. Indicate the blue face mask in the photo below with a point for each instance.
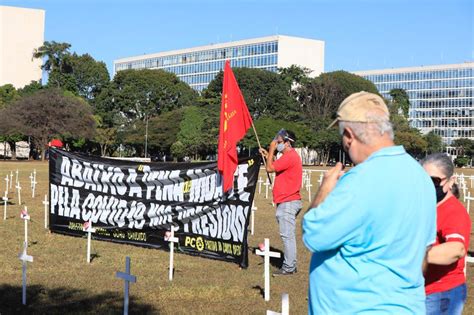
(280, 147)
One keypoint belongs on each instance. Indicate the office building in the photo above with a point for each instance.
(198, 66)
(441, 96)
(21, 32)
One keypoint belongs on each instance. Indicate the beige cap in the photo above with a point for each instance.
(355, 107)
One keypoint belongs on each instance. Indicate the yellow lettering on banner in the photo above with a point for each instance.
(250, 162)
(199, 244)
(237, 249)
(227, 248)
(187, 186)
(190, 241)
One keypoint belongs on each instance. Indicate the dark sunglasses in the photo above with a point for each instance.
(436, 180)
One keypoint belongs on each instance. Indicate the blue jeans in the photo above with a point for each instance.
(449, 302)
(286, 216)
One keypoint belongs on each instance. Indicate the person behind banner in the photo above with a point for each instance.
(286, 193)
(369, 228)
(445, 283)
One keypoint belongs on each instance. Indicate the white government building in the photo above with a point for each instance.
(199, 65)
(21, 32)
(441, 96)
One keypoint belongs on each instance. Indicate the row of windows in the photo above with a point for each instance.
(205, 78)
(421, 75)
(465, 112)
(200, 56)
(442, 103)
(425, 85)
(214, 66)
(453, 133)
(444, 122)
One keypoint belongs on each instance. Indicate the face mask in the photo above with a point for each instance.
(440, 194)
(280, 147)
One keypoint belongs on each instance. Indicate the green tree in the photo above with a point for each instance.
(141, 94)
(265, 93)
(31, 88)
(190, 133)
(46, 114)
(8, 94)
(400, 101)
(434, 143)
(464, 146)
(461, 161)
(54, 53)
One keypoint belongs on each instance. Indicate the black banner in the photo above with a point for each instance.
(137, 203)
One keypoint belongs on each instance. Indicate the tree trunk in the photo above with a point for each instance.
(13, 149)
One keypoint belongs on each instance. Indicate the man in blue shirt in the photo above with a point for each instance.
(369, 228)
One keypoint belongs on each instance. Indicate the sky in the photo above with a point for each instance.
(358, 34)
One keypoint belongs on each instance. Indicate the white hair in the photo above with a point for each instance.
(367, 132)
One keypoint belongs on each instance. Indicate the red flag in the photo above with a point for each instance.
(234, 123)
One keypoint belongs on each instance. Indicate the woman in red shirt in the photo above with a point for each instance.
(445, 280)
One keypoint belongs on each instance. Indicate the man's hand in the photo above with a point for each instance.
(329, 182)
(263, 152)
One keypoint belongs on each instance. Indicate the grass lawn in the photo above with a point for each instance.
(60, 281)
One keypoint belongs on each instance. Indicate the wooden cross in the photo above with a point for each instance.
(252, 218)
(285, 306)
(267, 183)
(260, 181)
(46, 203)
(24, 257)
(127, 277)
(87, 227)
(7, 180)
(33, 188)
(16, 177)
(266, 253)
(26, 217)
(169, 237)
(18, 187)
(11, 179)
(308, 188)
(5, 201)
(31, 180)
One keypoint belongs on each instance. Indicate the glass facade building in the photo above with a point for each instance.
(198, 66)
(441, 97)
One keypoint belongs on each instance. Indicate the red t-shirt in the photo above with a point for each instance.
(453, 224)
(289, 174)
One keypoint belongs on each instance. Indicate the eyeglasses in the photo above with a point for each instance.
(436, 180)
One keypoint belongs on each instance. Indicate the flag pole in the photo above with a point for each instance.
(264, 158)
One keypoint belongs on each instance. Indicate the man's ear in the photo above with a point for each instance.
(349, 134)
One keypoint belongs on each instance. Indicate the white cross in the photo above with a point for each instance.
(266, 253)
(252, 218)
(320, 178)
(260, 181)
(26, 217)
(18, 187)
(7, 180)
(267, 183)
(87, 227)
(285, 306)
(127, 277)
(308, 188)
(46, 203)
(169, 237)
(31, 180)
(33, 188)
(11, 179)
(16, 177)
(24, 257)
(5, 201)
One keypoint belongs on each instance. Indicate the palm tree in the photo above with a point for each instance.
(55, 53)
